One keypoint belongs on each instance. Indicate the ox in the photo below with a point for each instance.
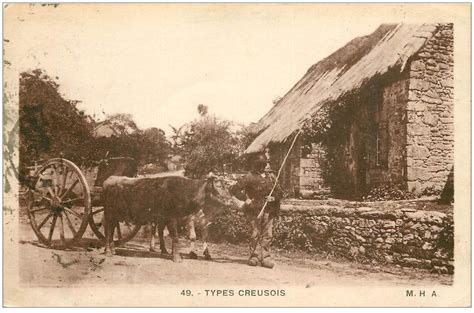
(201, 220)
(154, 199)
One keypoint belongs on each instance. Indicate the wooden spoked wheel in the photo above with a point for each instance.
(59, 203)
(124, 231)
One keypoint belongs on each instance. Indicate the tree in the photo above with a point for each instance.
(154, 147)
(121, 124)
(122, 138)
(50, 125)
(206, 144)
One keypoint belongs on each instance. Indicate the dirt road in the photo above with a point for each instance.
(87, 265)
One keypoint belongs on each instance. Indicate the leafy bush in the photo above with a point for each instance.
(388, 192)
(210, 144)
(296, 232)
(299, 232)
(229, 226)
(446, 239)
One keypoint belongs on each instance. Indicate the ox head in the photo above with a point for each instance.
(213, 194)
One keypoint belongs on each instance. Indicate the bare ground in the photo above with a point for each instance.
(134, 264)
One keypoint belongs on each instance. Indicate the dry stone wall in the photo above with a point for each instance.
(398, 234)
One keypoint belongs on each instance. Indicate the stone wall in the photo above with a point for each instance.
(311, 173)
(289, 179)
(394, 232)
(430, 128)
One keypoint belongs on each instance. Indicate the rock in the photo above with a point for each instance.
(408, 237)
(439, 270)
(361, 250)
(354, 251)
(379, 240)
(431, 62)
(418, 65)
(360, 238)
(427, 246)
(432, 100)
(419, 173)
(419, 84)
(447, 32)
(399, 222)
(411, 262)
(389, 224)
(427, 235)
(441, 254)
(389, 240)
(430, 119)
(435, 217)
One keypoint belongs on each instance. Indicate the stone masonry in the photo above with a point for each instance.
(430, 122)
(311, 173)
(394, 232)
(411, 114)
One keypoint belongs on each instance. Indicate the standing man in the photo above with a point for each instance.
(254, 188)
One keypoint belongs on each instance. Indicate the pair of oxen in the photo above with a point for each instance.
(163, 202)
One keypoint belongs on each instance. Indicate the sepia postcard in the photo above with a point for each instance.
(236, 155)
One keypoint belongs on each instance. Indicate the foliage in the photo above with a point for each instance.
(299, 232)
(121, 124)
(388, 192)
(244, 138)
(49, 124)
(331, 128)
(290, 232)
(446, 239)
(229, 226)
(148, 146)
(207, 144)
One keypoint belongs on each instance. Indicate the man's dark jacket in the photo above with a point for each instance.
(256, 187)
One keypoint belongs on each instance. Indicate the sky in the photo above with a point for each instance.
(157, 62)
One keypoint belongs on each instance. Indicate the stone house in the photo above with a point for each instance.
(398, 85)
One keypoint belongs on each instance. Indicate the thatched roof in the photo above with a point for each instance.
(390, 46)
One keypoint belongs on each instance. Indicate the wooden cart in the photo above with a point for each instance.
(63, 199)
